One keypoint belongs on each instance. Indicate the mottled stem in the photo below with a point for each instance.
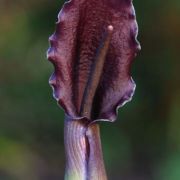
(82, 137)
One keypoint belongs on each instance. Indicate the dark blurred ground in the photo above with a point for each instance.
(143, 144)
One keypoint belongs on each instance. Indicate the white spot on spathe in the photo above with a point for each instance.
(110, 28)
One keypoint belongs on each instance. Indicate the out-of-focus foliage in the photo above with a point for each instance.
(143, 144)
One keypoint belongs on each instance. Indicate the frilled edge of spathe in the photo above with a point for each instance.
(111, 114)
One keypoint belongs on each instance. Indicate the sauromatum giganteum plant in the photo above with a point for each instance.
(91, 50)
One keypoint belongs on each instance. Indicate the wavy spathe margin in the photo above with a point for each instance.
(73, 48)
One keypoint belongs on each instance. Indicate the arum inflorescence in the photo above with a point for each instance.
(92, 50)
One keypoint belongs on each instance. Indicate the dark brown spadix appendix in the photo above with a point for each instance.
(83, 32)
(92, 50)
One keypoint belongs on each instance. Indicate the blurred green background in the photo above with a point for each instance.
(143, 144)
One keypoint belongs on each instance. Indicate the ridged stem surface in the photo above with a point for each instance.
(84, 159)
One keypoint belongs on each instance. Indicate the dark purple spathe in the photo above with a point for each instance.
(74, 45)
